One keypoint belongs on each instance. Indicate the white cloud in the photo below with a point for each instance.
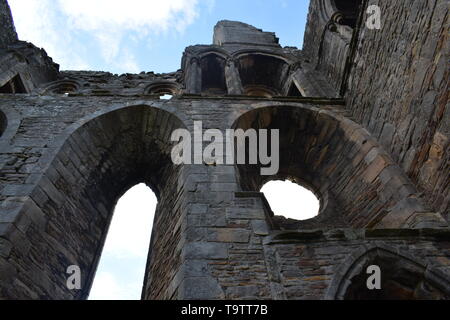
(121, 269)
(57, 25)
(37, 21)
(106, 287)
(109, 286)
(137, 15)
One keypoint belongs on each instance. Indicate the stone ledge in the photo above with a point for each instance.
(288, 237)
(314, 100)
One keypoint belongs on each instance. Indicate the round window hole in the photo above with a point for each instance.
(166, 97)
(291, 200)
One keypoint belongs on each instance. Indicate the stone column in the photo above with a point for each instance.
(233, 78)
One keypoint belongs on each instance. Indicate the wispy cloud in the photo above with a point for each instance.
(37, 21)
(70, 29)
(137, 15)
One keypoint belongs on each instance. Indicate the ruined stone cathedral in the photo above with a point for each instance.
(363, 122)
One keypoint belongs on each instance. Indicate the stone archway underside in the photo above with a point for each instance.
(340, 161)
(71, 206)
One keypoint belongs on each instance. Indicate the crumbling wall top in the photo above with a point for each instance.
(234, 32)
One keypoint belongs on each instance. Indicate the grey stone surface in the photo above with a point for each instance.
(8, 33)
(363, 122)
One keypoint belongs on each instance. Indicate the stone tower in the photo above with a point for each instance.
(364, 123)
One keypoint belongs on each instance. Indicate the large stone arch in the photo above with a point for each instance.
(357, 181)
(403, 276)
(64, 219)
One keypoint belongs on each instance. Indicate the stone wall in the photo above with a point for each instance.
(396, 80)
(398, 90)
(57, 201)
(8, 33)
(77, 141)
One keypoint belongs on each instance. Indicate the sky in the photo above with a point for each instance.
(143, 35)
(121, 269)
(150, 35)
(122, 265)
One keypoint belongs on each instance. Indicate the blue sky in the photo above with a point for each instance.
(122, 265)
(144, 35)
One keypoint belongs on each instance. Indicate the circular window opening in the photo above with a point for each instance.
(291, 200)
(166, 96)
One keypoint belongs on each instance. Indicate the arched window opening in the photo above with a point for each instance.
(164, 90)
(259, 91)
(3, 123)
(15, 85)
(304, 157)
(392, 277)
(213, 75)
(291, 200)
(261, 71)
(65, 88)
(62, 87)
(121, 270)
(349, 10)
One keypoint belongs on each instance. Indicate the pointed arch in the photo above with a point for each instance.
(87, 169)
(61, 87)
(213, 74)
(403, 276)
(262, 73)
(340, 161)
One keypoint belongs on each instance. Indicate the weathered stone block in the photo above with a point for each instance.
(205, 250)
(228, 235)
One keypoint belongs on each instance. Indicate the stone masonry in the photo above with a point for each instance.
(364, 123)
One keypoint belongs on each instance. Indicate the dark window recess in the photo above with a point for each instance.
(261, 70)
(68, 88)
(293, 91)
(350, 10)
(15, 85)
(213, 75)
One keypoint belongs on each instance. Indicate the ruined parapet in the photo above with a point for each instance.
(23, 66)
